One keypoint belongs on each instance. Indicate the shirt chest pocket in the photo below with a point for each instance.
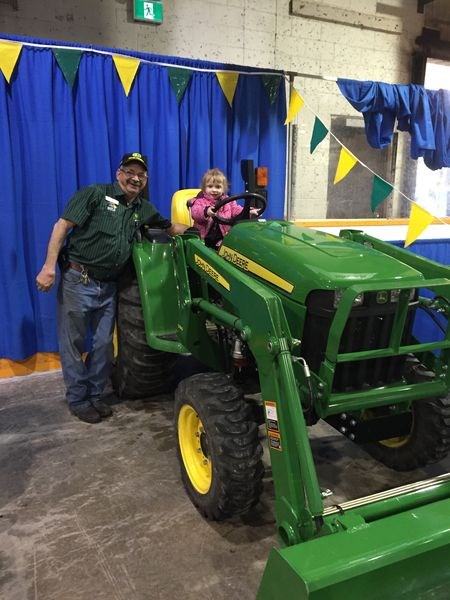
(109, 219)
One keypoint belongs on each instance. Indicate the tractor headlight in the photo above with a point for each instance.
(395, 294)
(358, 301)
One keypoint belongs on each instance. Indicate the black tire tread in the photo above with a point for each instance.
(429, 440)
(235, 449)
(139, 371)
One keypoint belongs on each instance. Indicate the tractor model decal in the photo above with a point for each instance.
(244, 263)
(209, 270)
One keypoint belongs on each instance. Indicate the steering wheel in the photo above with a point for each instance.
(245, 214)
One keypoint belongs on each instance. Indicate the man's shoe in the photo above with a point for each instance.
(103, 409)
(88, 414)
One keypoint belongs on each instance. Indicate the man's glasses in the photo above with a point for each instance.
(140, 176)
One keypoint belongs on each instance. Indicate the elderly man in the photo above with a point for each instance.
(102, 220)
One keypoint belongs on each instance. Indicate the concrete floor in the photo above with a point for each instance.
(99, 512)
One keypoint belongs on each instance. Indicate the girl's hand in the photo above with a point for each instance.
(210, 212)
(254, 212)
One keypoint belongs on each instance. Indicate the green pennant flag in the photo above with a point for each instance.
(179, 79)
(271, 84)
(380, 191)
(318, 134)
(68, 61)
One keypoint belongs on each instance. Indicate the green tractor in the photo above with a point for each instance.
(295, 325)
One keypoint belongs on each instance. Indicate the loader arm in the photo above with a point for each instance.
(426, 266)
(259, 317)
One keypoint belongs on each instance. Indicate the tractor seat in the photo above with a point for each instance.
(180, 212)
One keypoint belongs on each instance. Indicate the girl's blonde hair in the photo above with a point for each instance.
(217, 177)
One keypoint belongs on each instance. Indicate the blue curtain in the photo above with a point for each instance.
(54, 139)
(438, 250)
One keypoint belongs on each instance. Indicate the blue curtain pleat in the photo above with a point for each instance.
(54, 139)
(205, 146)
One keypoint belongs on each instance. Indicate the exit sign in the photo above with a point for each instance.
(151, 12)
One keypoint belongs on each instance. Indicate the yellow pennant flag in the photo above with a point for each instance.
(346, 163)
(419, 219)
(9, 54)
(228, 82)
(126, 68)
(294, 106)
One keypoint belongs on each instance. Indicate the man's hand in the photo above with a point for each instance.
(45, 279)
(176, 229)
(193, 230)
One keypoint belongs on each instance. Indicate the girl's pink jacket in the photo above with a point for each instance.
(198, 206)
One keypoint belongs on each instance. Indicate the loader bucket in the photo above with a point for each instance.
(405, 555)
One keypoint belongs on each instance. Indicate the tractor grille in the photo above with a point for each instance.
(368, 328)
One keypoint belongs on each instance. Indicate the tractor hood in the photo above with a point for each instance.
(296, 259)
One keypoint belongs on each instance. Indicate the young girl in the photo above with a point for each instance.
(214, 187)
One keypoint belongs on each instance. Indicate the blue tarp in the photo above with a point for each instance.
(425, 114)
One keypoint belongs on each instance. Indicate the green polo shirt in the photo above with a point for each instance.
(105, 227)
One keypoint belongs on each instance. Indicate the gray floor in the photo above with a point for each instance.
(98, 511)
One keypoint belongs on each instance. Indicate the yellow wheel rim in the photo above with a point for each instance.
(394, 442)
(115, 342)
(194, 449)
(401, 440)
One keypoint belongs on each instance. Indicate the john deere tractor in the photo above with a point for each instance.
(295, 325)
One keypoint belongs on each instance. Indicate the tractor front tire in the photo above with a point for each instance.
(139, 371)
(218, 448)
(427, 442)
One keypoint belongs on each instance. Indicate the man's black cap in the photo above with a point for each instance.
(134, 157)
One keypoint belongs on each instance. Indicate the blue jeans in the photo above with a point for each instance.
(85, 310)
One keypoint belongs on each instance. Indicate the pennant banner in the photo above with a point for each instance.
(126, 68)
(419, 219)
(228, 82)
(68, 61)
(380, 191)
(271, 84)
(318, 134)
(179, 79)
(295, 105)
(346, 163)
(9, 55)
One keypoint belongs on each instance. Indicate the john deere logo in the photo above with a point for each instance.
(382, 297)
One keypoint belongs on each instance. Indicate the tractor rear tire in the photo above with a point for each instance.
(139, 371)
(218, 449)
(428, 441)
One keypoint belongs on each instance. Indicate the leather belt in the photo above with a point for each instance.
(76, 266)
(88, 272)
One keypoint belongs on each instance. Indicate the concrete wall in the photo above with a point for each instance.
(317, 41)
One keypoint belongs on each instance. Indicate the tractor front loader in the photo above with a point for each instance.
(322, 327)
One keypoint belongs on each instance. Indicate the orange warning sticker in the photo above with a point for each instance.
(274, 439)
